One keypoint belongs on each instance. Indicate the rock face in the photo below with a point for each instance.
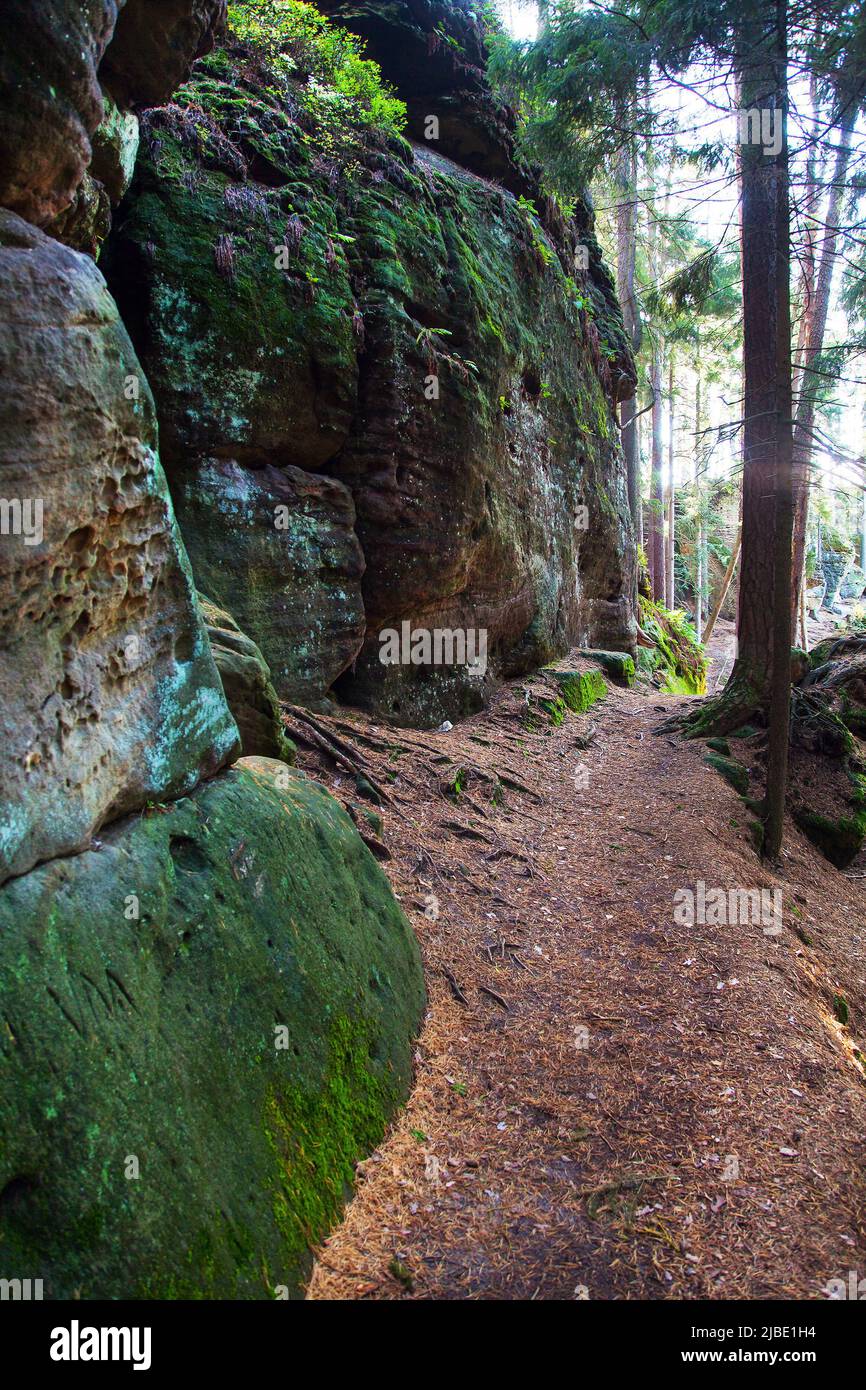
(387, 318)
(208, 1012)
(154, 44)
(291, 570)
(206, 1023)
(246, 681)
(434, 54)
(50, 99)
(108, 691)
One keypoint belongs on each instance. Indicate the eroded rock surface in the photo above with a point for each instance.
(277, 547)
(50, 99)
(108, 692)
(381, 315)
(246, 680)
(154, 45)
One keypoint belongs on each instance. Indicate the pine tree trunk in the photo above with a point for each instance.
(808, 383)
(656, 550)
(767, 422)
(626, 231)
(671, 496)
(701, 543)
(764, 655)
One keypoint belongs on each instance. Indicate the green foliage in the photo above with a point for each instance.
(529, 213)
(678, 658)
(574, 88)
(339, 84)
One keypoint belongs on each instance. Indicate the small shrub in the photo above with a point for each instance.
(341, 85)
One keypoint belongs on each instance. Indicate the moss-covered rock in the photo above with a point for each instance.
(206, 1022)
(246, 681)
(580, 689)
(315, 293)
(618, 665)
(733, 772)
(839, 840)
(677, 664)
(720, 745)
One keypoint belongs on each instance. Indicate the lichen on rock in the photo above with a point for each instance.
(107, 683)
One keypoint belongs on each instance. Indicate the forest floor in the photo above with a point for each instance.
(607, 1104)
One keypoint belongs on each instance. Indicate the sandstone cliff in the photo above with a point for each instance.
(415, 363)
(208, 992)
(341, 379)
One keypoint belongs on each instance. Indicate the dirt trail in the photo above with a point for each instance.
(615, 1105)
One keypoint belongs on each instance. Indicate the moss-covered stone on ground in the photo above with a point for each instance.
(732, 771)
(206, 1022)
(618, 665)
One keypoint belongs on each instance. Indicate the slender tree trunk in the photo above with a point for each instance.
(671, 495)
(626, 230)
(726, 584)
(769, 404)
(767, 424)
(863, 534)
(807, 382)
(656, 555)
(701, 541)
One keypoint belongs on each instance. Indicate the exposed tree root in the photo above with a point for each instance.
(739, 703)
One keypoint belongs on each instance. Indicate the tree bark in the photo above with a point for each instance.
(766, 409)
(656, 548)
(808, 383)
(768, 492)
(671, 495)
(701, 540)
(726, 584)
(626, 232)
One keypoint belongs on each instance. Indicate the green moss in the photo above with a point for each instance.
(733, 772)
(720, 745)
(618, 665)
(556, 709)
(840, 840)
(318, 1135)
(678, 658)
(854, 718)
(580, 689)
(246, 1039)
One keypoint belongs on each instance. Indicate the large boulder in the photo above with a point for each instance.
(246, 680)
(109, 696)
(50, 99)
(406, 327)
(206, 1022)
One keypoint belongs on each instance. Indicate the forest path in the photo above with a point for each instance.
(622, 1106)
